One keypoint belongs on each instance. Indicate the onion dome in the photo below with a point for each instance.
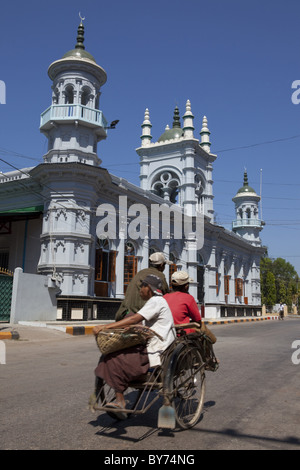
(78, 58)
(246, 190)
(175, 132)
(79, 52)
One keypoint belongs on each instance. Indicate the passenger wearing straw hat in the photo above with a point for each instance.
(184, 308)
(182, 304)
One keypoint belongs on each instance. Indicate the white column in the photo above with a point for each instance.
(248, 281)
(120, 266)
(191, 245)
(205, 133)
(146, 130)
(221, 279)
(188, 123)
(231, 299)
(166, 252)
(145, 253)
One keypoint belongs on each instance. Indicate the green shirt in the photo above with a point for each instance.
(133, 302)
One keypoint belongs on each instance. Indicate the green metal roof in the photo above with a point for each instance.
(176, 130)
(246, 188)
(23, 210)
(79, 52)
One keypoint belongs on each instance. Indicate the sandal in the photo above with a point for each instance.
(117, 411)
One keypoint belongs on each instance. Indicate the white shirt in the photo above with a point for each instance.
(157, 316)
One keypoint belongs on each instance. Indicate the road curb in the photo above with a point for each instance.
(9, 335)
(87, 330)
(240, 320)
(79, 330)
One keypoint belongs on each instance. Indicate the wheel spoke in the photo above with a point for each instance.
(188, 387)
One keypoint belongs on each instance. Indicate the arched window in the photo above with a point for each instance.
(239, 287)
(165, 185)
(85, 96)
(55, 96)
(199, 190)
(130, 263)
(105, 267)
(172, 267)
(226, 287)
(200, 279)
(69, 95)
(153, 249)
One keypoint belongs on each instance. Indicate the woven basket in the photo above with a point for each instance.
(112, 340)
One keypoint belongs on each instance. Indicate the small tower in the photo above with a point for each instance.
(146, 129)
(73, 123)
(247, 223)
(205, 141)
(178, 167)
(188, 123)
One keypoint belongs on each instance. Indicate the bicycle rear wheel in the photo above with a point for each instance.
(186, 386)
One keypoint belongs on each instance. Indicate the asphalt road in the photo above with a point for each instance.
(252, 401)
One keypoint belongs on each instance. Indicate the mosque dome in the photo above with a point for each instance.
(175, 132)
(246, 189)
(79, 52)
(79, 58)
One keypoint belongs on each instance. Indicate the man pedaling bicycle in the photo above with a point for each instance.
(120, 368)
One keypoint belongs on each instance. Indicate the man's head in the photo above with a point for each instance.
(158, 261)
(150, 286)
(180, 281)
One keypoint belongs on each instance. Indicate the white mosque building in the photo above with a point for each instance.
(54, 217)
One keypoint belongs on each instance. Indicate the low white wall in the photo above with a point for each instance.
(32, 299)
(213, 311)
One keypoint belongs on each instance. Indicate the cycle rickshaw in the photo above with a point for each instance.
(179, 381)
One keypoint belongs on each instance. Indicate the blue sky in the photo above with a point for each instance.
(235, 60)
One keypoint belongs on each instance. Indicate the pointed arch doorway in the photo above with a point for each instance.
(200, 279)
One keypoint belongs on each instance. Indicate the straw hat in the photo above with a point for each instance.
(158, 258)
(179, 278)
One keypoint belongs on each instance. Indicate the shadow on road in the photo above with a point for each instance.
(119, 429)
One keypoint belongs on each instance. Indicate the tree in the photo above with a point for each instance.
(269, 295)
(286, 282)
(281, 292)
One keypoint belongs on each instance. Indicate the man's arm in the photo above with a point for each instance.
(128, 321)
(194, 312)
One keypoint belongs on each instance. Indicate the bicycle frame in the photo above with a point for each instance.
(160, 381)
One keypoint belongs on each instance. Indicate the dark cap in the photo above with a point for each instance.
(154, 283)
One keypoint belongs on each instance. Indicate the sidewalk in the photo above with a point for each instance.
(12, 331)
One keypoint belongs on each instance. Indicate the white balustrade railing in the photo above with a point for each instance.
(246, 222)
(66, 112)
